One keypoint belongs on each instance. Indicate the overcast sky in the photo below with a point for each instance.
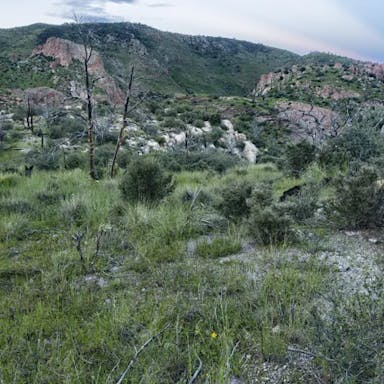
(351, 28)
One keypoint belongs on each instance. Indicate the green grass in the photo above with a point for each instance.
(64, 320)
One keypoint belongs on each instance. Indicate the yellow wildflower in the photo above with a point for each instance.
(214, 335)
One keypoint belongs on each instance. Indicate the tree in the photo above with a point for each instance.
(86, 38)
(124, 124)
(91, 124)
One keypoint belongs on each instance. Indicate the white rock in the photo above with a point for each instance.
(178, 137)
(227, 124)
(250, 152)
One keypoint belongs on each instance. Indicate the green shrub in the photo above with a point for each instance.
(298, 157)
(233, 202)
(358, 143)
(270, 226)
(145, 181)
(124, 157)
(303, 205)
(215, 135)
(65, 127)
(359, 199)
(201, 197)
(215, 119)
(261, 196)
(75, 160)
(47, 159)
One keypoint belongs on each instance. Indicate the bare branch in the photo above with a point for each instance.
(197, 372)
(138, 351)
(307, 353)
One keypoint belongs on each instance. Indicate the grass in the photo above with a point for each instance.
(67, 321)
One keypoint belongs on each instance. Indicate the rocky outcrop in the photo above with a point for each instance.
(329, 92)
(267, 82)
(375, 70)
(65, 52)
(237, 143)
(309, 122)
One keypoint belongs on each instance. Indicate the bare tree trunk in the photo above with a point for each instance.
(91, 124)
(29, 115)
(123, 125)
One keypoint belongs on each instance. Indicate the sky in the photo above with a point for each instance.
(350, 28)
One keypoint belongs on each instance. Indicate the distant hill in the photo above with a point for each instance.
(165, 62)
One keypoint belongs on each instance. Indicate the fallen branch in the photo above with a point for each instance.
(141, 349)
(231, 355)
(307, 353)
(197, 372)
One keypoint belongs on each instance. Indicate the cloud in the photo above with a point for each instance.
(160, 5)
(90, 11)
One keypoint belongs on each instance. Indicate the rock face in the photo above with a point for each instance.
(65, 52)
(309, 122)
(377, 70)
(329, 82)
(329, 92)
(267, 82)
(237, 143)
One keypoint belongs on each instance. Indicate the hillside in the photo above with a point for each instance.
(166, 62)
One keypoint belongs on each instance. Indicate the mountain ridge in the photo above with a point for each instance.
(166, 62)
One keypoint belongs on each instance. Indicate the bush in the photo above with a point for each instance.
(269, 226)
(65, 127)
(359, 200)
(268, 223)
(358, 143)
(145, 181)
(233, 203)
(261, 197)
(298, 157)
(303, 205)
(75, 160)
(46, 159)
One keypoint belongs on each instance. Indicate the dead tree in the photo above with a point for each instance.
(91, 124)
(29, 115)
(124, 123)
(86, 61)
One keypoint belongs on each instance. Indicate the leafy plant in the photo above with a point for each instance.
(298, 157)
(359, 199)
(145, 181)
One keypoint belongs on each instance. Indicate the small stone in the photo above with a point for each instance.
(236, 380)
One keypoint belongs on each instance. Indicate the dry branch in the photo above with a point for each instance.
(141, 349)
